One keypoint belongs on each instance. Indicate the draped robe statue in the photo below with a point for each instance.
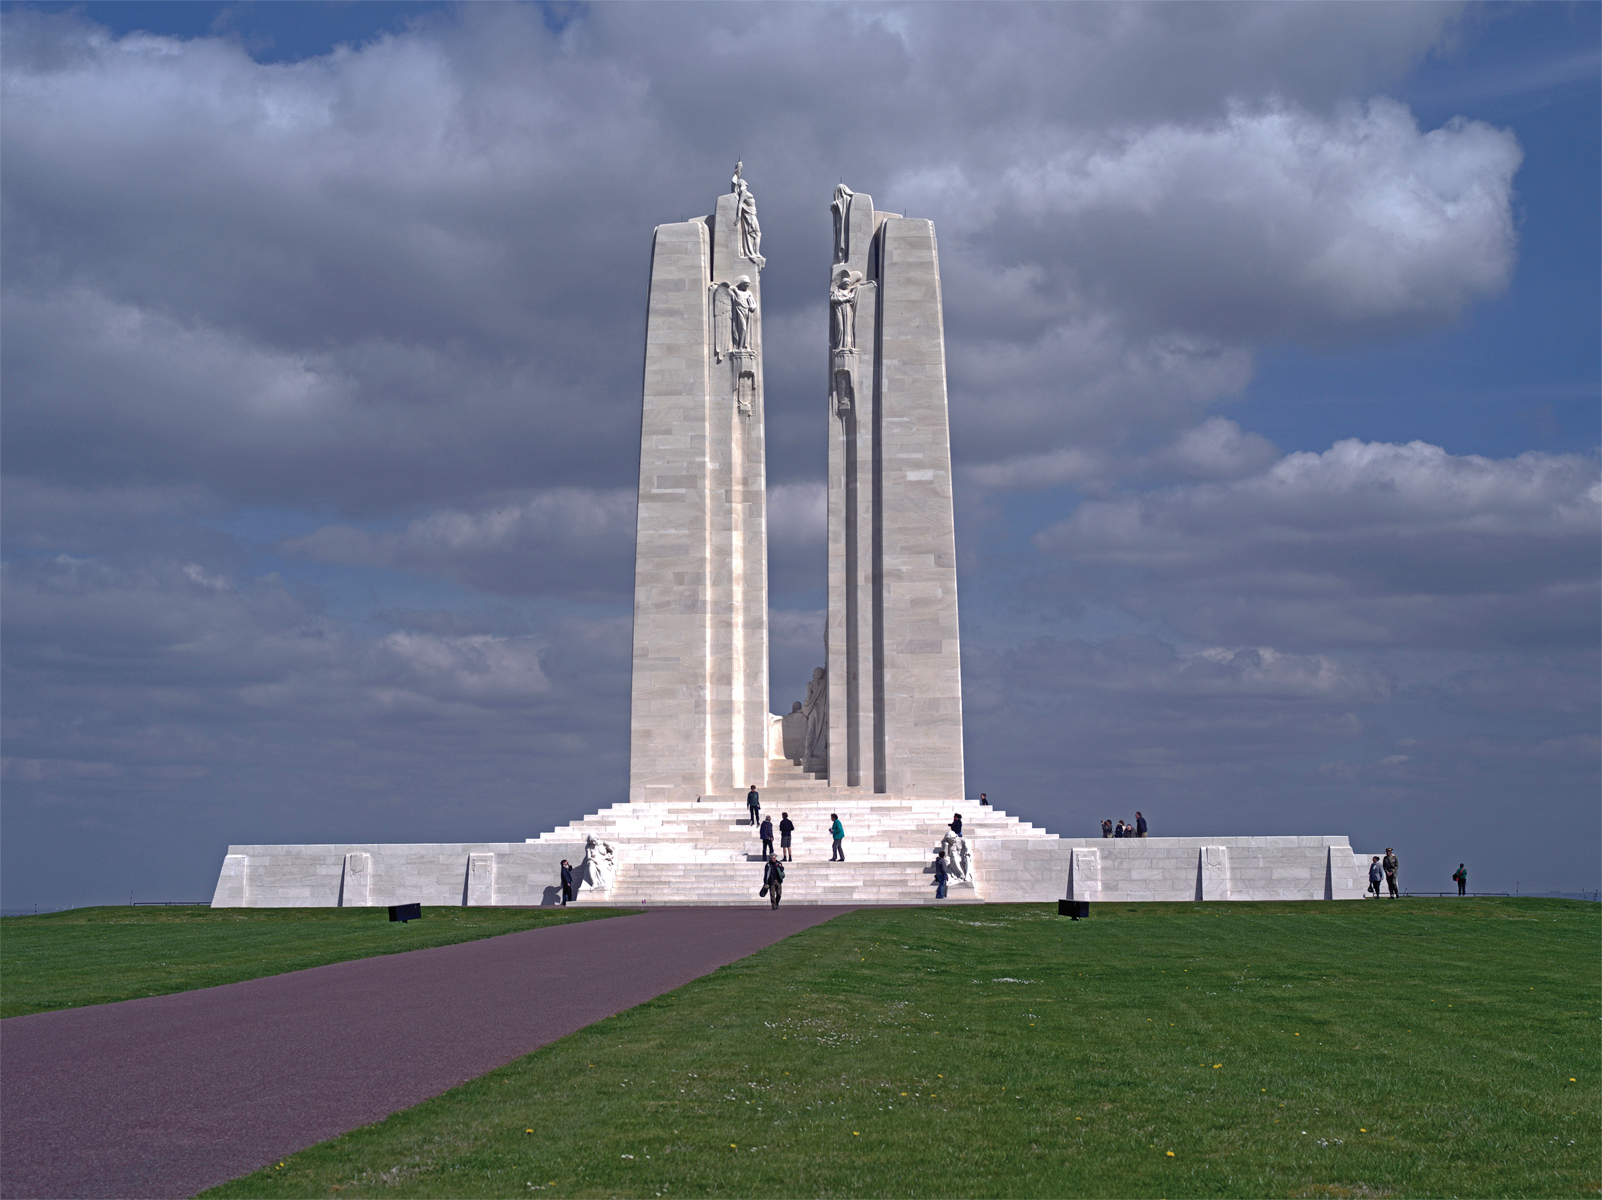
(959, 860)
(742, 315)
(599, 866)
(817, 711)
(841, 208)
(843, 310)
(750, 230)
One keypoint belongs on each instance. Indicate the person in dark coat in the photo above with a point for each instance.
(984, 801)
(1376, 876)
(1140, 824)
(956, 824)
(940, 874)
(1118, 830)
(767, 837)
(1461, 875)
(567, 882)
(773, 879)
(786, 828)
(1391, 867)
(1106, 828)
(753, 803)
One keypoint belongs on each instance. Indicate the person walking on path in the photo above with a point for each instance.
(1376, 874)
(1140, 824)
(753, 804)
(567, 882)
(837, 832)
(940, 874)
(786, 828)
(767, 838)
(773, 880)
(1390, 864)
(956, 824)
(1461, 875)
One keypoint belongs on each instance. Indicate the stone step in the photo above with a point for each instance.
(805, 883)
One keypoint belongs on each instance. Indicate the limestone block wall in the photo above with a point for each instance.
(894, 656)
(378, 875)
(670, 698)
(920, 645)
(1169, 869)
(699, 702)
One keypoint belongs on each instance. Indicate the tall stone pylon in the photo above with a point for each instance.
(699, 707)
(894, 674)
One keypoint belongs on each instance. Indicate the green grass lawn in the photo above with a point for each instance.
(97, 955)
(1419, 1048)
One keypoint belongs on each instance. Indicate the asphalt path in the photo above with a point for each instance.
(170, 1095)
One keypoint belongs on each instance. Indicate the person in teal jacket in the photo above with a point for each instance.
(837, 832)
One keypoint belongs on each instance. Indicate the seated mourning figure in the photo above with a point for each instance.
(959, 859)
(794, 724)
(599, 867)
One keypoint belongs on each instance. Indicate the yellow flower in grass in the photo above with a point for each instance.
(1170, 1154)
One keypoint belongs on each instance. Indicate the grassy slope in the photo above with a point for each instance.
(1410, 1048)
(97, 955)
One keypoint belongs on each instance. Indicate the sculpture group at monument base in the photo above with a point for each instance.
(706, 852)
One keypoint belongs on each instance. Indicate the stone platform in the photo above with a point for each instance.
(706, 852)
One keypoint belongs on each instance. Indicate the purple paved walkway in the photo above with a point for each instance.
(170, 1095)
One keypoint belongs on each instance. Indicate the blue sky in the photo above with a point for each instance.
(1273, 340)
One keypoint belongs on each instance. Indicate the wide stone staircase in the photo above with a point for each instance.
(706, 851)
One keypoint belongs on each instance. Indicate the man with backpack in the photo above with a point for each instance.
(773, 880)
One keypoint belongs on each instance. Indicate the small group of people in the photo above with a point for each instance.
(1383, 870)
(1123, 829)
(772, 865)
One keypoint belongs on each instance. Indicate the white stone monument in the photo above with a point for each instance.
(878, 737)
(893, 647)
(699, 706)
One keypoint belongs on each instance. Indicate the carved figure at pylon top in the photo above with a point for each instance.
(750, 230)
(841, 208)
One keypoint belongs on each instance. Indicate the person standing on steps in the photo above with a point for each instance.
(567, 882)
(983, 802)
(767, 838)
(837, 832)
(1391, 867)
(786, 828)
(956, 824)
(753, 804)
(773, 880)
(940, 874)
(1461, 875)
